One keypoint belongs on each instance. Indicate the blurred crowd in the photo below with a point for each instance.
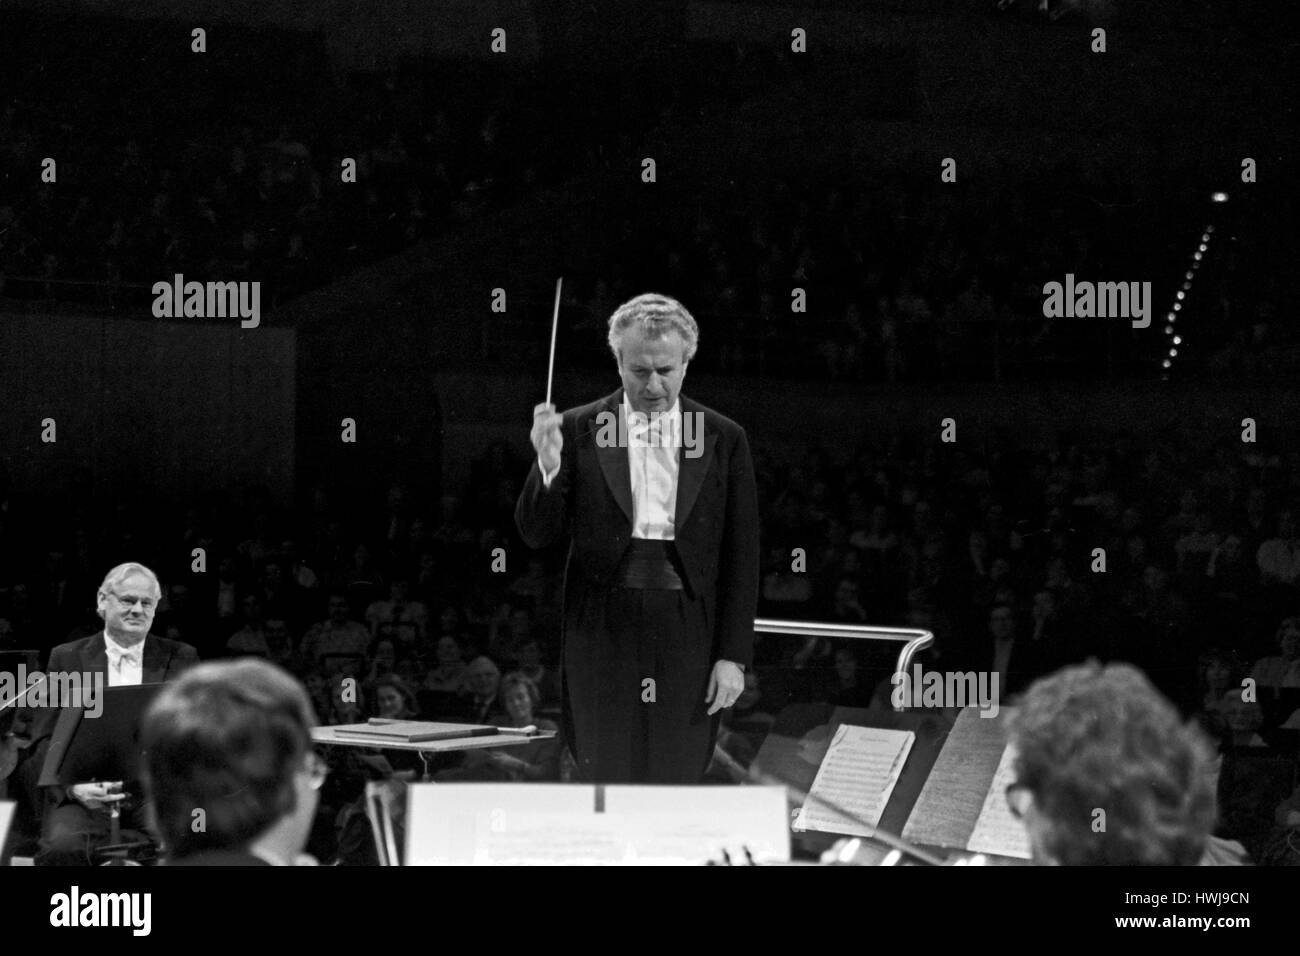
(1020, 556)
(911, 280)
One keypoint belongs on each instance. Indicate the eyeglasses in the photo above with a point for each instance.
(146, 604)
(317, 769)
(1017, 804)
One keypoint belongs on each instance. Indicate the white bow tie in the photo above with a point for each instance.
(651, 429)
(118, 656)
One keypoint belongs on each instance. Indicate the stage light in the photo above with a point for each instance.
(1219, 197)
(1188, 275)
(1181, 295)
(1173, 353)
(1178, 340)
(1166, 363)
(1203, 247)
(1177, 306)
(1197, 256)
(1169, 330)
(1209, 230)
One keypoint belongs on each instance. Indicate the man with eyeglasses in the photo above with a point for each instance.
(125, 653)
(230, 744)
(1109, 773)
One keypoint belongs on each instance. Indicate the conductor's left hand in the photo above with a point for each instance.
(726, 684)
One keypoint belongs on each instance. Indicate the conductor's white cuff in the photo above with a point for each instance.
(547, 479)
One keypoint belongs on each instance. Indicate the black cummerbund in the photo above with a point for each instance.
(649, 564)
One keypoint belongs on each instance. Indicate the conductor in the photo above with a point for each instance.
(655, 495)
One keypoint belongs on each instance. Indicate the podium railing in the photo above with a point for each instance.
(913, 639)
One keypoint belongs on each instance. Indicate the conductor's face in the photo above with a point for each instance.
(652, 369)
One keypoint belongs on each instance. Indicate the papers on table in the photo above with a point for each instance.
(855, 780)
(996, 830)
(411, 731)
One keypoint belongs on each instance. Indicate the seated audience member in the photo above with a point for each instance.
(1223, 700)
(400, 616)
(447, 676)
(251, 638)
(337, 634)
(481, 703)
(1089, 738)
(234, 738)
(383, 656)
(318, 692)
(547, 679)
(393, 699)
(347, 702)
(1282, 669)
(280, 643)
(537, 760)
(441, 690)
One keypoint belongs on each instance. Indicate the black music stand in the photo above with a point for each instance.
(85, 749)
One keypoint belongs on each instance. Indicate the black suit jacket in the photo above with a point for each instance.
(163, 660)
(716, 518)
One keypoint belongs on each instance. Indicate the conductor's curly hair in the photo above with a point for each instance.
(1090, 738)
(657, 315)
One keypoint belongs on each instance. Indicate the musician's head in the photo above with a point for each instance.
(1107, 772)
(653, 338)
(127, 601)
(229, 761)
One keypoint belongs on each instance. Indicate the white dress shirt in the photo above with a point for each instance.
(125, 664)
(653, 464)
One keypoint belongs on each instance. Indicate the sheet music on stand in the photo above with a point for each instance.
(996, 829)
(855, 780)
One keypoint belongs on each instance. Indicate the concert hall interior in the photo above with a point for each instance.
(796, 431)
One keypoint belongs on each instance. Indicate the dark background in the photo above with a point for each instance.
(775, 170)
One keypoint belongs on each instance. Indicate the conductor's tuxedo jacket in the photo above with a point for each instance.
(716, 533)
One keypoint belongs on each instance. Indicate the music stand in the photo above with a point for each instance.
(87, 749)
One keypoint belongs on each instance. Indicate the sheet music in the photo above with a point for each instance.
(996, 830)
(450, 824)
(6, 818)
(855, 780)
(690, 825)
(950, 802)
(583, 838)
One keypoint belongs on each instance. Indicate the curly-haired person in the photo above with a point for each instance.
(1108, 772)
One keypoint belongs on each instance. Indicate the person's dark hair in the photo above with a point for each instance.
(1090, 738)
(226, 738)
(399, 651)
(397, 684)
(511, 681)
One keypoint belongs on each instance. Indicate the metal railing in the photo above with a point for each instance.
(913, 639)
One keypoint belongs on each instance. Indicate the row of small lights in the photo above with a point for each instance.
(1176, 340)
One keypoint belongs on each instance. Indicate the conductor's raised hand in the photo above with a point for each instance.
(546, 436)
